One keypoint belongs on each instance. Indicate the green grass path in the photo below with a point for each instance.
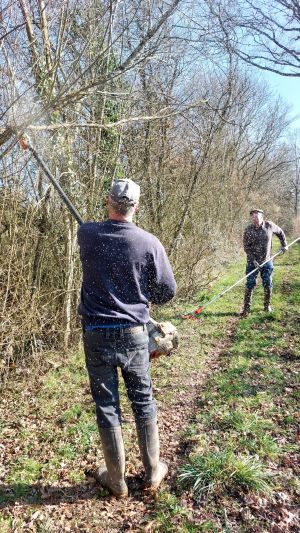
(243, 472)
(239, 472)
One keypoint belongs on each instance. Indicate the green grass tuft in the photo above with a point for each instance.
(212, 473)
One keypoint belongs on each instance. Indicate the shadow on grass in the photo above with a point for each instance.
(220, 313)
(284, 265)
(38, 493)
(41, 494)
(290, 290)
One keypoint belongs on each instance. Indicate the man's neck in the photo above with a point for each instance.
(112, 215)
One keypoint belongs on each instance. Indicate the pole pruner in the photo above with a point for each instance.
(195, 314)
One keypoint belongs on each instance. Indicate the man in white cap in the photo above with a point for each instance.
(124, 269)
(257, 245)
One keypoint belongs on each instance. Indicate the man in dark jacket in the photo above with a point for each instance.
(124, 269)
(257, 245)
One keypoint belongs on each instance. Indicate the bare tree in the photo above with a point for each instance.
(264, 34)
(68, 70)
(295, 181)
(214, 155)
(62, 72)
(110, 88)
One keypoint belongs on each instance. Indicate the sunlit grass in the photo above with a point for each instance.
(216, 472)
(244, 419)
(242, 425)
(22, 476)
(169, 508)
(5, 525)
(26, 470)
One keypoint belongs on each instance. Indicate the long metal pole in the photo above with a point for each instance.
(26, 145)
(199, 309)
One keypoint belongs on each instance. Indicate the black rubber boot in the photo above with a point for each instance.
(247, 302)
(148, 438)
(267, 299)
(111, 476)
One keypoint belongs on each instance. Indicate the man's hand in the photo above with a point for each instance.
(256, 264)
(284, 249)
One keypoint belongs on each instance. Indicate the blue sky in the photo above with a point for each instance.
(289, 89)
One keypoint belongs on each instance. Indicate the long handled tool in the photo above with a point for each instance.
(25, 144)
(195, 314)
(163, 337)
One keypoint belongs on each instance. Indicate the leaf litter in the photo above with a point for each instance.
(43, 486)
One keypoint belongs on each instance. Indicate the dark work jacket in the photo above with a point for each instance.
(124, 268)
(258, 240)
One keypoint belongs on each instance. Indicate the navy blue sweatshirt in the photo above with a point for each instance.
(124, 268)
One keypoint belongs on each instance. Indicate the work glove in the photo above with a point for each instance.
(284, 249)
(256, 264)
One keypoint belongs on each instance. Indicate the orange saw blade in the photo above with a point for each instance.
(23, 143)
(194, 314)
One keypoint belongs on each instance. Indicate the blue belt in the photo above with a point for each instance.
(114, 326)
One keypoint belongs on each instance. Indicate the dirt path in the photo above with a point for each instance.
(73, 508)
(45, 418)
